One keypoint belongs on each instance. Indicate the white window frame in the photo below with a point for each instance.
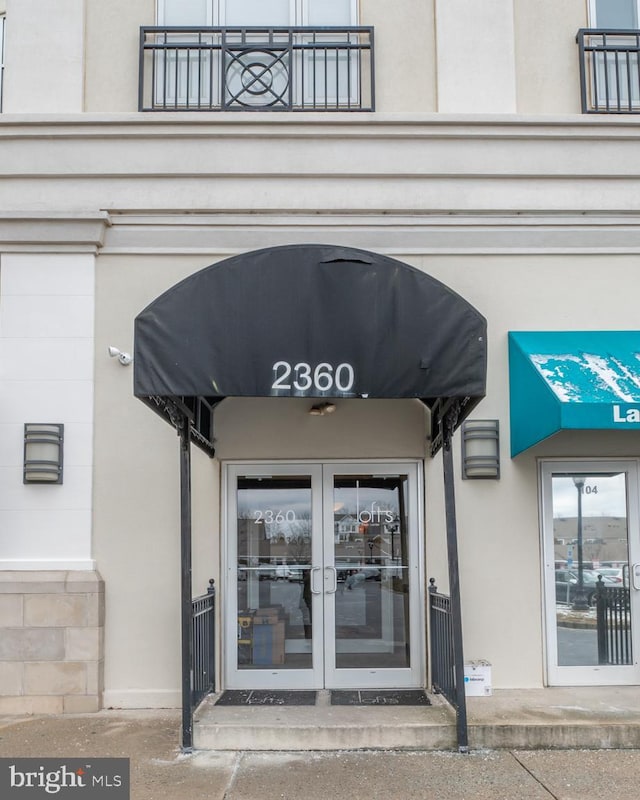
(592, 675)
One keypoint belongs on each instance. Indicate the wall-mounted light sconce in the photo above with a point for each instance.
(43, 452)
(321, 409)
(123, 358)
(480, 448)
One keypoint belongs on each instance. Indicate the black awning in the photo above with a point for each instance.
(312, 321)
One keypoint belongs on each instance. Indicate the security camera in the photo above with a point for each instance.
(123, 358)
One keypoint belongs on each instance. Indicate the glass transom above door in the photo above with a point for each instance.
(257, 12)
(323, 576)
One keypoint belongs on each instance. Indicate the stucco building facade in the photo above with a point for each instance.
(453, 140)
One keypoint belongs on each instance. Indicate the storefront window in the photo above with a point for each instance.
(591, 548)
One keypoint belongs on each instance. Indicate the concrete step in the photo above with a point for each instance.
(324, 727)
(570, 717)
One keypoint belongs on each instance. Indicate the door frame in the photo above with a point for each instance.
(318, 675)
(592, 675)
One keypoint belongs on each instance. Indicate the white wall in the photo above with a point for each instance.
(476, 56)
(46, 362)
(44, 56)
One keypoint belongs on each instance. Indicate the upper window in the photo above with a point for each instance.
(614, 14)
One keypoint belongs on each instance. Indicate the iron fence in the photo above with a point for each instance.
(613, 609)
(443, 677)
(203, 627)
(609, 71)
(256, 69)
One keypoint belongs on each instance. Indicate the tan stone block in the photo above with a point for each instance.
(10, 610)
(52, 610)
(32, 644)
(83, 644)
(82, 581)
(95, 677)
(95, 610)
(10, 678)
(31, 705)
(32, 582)
(66, 677)
(81, 704)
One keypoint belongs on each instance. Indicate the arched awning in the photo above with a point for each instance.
(312, 321)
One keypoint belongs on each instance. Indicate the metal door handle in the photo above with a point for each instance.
(335, 579)
(635, 576)
(312, 582)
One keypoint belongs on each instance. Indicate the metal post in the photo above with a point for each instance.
(448, 425)
(185, 578)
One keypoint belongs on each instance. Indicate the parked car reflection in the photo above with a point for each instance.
(567, 584)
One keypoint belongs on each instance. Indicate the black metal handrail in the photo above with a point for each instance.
(203, 626)
(256, 69)
(609, 70)
(613, 609)
(443, 678)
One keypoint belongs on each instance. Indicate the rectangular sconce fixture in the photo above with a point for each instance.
(480, 448)
(43, 452)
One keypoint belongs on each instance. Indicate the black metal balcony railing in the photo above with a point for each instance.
(256, 69)
(609, 71)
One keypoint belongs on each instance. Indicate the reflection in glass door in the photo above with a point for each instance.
(324, 579)
(369, 615)
(592, 544)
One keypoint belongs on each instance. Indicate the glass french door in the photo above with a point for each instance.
(323, 576)
(592, 571)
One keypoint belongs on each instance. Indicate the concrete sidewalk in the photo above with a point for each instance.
(159, 771)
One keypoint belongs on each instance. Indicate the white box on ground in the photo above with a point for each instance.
(477, 679)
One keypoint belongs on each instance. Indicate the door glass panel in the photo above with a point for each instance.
(370, 549)
(274, 572)
(590, 535)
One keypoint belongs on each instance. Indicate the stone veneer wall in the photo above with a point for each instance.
(51, 642)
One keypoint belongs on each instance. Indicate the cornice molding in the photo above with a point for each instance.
(223, 234)
(52, 232)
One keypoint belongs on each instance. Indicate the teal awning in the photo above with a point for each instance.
(572, 380)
